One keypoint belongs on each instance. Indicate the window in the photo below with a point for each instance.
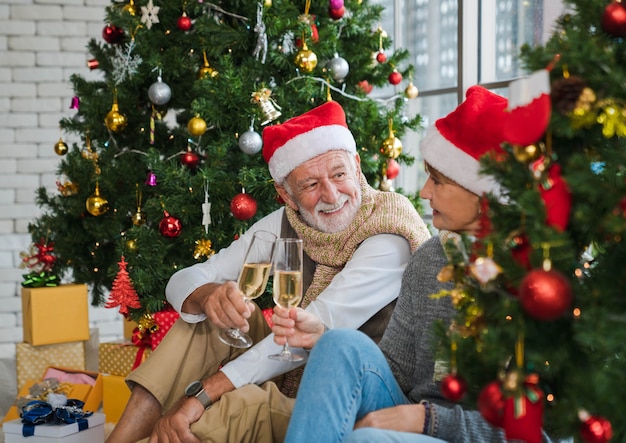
(456, 44)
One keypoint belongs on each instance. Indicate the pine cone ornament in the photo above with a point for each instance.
(566, 92)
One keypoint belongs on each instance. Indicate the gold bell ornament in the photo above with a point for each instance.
(529, 153)
(139, 218)
(95, 204)
(268, 106)
(115, 121)
(391, 147)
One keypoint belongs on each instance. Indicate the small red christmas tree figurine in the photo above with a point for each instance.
(123, 293)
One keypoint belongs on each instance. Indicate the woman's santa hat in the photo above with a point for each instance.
(456, 142)
(322, 129)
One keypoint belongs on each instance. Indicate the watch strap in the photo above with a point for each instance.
(204, 398)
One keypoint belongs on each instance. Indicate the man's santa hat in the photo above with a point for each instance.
(322, 129)
(456, 142)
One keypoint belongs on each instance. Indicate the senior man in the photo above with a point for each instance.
(357, 241)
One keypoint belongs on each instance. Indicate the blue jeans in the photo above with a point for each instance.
(346, 377)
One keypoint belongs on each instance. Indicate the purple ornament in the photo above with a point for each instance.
(75, 103)
(151, 180)
(335, 4)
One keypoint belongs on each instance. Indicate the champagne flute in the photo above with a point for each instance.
(288, 285)
(252, 281)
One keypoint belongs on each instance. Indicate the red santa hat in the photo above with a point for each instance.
(456, 142)
(287, 145)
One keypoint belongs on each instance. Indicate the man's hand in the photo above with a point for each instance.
(223, 304)
(403, 418)
(174, 427)
(300, 327)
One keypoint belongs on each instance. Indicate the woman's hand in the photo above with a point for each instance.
(300, 327)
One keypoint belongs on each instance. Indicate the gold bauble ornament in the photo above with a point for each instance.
(95, 204)
(115, 120)
(131, 244)
(206, 71)
(411, 91)
(306, 60)
(267, 3)
(196, 126)
(527, 154)
(60, 147)
(139, 218)
(391, 147)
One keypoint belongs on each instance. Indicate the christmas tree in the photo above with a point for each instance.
(168, 169)
(539, 338)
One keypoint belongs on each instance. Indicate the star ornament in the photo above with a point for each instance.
(149, 14)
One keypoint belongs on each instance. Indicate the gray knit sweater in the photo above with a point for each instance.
(408, 346)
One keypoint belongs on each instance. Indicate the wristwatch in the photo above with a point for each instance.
(195, 389)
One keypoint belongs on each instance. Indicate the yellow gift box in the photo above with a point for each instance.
(119, 357)
(90, 395)
(32, 361)
(129, 328)
(58, 314)
(115, 395)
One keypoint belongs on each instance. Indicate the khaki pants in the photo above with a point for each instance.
(192, 352)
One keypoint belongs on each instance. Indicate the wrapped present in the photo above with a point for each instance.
(87, 430)
(32, 361)
(45, 314)
(115, 396)
(153, 327)
(85, 386)
(121, 357)
(129, 327)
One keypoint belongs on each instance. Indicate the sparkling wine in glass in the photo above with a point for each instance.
(252, 281)
(288, 285)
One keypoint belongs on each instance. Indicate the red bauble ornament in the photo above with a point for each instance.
(614, 19)
(243, 206)
(365, 86)
(190, 159)
(453, 387)
(622, 206)
(596, 430)
(170, 226)
(184, 22)
(381, 57)
(393, 169)
(491, 404)
(545, 295)
(395, 77)
(112, 34)
(336, 14)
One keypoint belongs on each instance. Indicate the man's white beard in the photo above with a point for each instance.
(336, 222)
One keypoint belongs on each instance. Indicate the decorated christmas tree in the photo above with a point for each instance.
(539, 338)
(169, 169)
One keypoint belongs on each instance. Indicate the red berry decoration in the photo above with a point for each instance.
(190, 159)
(596, 430)
(336, 14)
(614, 19)
(393, 169)
(491, 404)
(184, 22)
(381, 57)
(545, 295)
(170, 226)
(112, 34)
(453, 387)
(243, 206)
(395, 77)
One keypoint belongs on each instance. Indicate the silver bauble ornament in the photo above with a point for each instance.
(250, 142)
(338, 68)
(159, 92)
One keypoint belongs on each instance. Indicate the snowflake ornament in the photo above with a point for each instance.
(125, 64)
(149, 14)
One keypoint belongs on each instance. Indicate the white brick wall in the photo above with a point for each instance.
(42, 42)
